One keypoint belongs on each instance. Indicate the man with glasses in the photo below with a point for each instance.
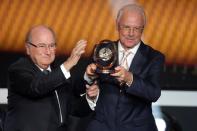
(39, 94)
(124, 103)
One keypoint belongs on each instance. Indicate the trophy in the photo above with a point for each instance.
(105, 56)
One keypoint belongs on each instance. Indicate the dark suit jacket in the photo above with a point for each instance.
(129, 108)
(32, 103)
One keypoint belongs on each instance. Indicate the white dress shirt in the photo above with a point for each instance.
(64, 71)
(130, 56)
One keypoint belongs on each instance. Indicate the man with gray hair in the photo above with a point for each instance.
(124, 103)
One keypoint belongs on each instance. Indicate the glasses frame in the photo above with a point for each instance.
(44, 46)
(134, 29)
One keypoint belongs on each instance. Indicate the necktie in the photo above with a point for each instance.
(46, 72)
(124, 61)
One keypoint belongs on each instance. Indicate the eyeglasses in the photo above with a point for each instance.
(126, 28)
(44, 46)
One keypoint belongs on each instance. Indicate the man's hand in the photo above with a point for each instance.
(92, 91)
(90, 71)
(76, 53)
(122, 75)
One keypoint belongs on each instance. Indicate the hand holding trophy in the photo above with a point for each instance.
(105, 56)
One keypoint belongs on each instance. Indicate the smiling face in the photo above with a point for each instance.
(40, 48)
(130, 25)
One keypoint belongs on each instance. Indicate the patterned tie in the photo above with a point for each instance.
(123, 61)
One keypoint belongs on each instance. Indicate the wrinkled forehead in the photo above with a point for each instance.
(42, 36)
(40, 32)
(131, 19)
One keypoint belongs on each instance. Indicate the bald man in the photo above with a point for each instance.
(39, 93)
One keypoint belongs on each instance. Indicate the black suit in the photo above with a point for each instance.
(129, 108)
(32, 102)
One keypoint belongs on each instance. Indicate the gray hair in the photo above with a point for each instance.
(131, 7)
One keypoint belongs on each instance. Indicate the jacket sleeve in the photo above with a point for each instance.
(33, 83)
(146, 85)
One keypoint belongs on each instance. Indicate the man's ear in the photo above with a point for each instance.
(27, 48)
(117, 26)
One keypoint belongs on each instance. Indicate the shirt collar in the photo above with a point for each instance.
(132, 50)
(49, 68)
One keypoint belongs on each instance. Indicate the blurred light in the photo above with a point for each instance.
(161, 124)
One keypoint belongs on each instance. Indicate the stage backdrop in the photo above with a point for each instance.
(171, 27)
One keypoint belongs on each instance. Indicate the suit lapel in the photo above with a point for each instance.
(139, 59)
(33, 67)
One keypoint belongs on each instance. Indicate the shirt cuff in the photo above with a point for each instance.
(87, 79)
(65, 72)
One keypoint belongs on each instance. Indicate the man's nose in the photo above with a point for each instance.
(48, 50)
(131, 32)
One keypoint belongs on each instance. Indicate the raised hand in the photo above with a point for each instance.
(92, 91)
(75, 55)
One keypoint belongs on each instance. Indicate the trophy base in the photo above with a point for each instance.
(104, 71)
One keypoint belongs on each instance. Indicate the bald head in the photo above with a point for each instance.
(40, 45)
(38, 30)
(131, 8)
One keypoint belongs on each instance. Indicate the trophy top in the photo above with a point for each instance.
(105, 55)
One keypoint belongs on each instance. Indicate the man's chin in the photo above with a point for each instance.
(47, 60)
(129, 44)
(46, 63)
